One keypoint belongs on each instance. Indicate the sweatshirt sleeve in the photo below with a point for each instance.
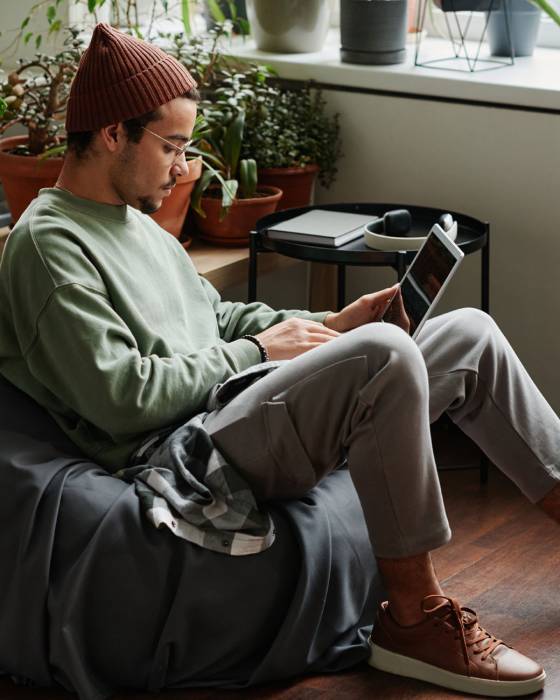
(86, 355)
(236, 319)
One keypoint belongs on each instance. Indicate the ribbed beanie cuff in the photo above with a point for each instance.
(119, 78)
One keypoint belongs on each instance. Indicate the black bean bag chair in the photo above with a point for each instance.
(94, 598)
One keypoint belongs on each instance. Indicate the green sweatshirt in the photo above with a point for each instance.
(105, 322)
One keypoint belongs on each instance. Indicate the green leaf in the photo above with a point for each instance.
(27, 37)
(232, 9)
(248, 177)
(51, 13)
(3, 106)
(229, 190)
(550, 11)
(216, 11)
(55, 26)
(53, 152)
(206, 156)
(38, 40)
(200, 188)
(243, 26)
(91, 5)
(25, 22)
(232, 142)
(186, 15)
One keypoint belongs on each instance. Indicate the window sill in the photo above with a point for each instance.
(532, 83)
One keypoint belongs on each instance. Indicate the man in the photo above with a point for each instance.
(114, 333)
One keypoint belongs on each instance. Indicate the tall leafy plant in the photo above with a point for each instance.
(220, 148)
(231, 90)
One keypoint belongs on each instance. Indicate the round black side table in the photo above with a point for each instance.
(472, 235)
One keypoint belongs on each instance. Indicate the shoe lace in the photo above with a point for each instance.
(465, 622)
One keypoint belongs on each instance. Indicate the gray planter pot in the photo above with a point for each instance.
(524, 18)
(466, 5)
(289, 26)
(373, 31)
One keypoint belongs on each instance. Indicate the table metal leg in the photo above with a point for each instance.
(341, 287)
(485, 276)
(485, 306)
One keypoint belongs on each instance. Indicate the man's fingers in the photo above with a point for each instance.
(316, 327)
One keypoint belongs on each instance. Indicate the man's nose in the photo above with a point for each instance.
(180, 167)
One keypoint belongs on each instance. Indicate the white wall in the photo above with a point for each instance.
(494, 164)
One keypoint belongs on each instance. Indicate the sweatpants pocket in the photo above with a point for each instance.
(296, 474)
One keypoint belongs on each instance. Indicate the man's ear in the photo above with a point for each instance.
(111, 136)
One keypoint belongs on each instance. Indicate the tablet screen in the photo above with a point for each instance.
(424, 278)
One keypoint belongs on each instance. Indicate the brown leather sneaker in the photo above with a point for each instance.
(449, 648)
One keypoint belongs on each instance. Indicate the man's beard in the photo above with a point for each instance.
(147, 205)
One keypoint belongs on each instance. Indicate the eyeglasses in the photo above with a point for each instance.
(180, 151)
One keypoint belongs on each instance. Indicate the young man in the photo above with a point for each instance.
(104, 321)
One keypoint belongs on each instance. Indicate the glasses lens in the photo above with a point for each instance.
(183, 152)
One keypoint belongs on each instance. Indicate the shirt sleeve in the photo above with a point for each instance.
(236, 319)
(86, 355)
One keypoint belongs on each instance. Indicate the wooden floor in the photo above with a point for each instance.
(504, 561)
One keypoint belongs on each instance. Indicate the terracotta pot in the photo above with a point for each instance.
(171, 215)
(296, 184)
(412, 15)
(23, 176)
(240, 220)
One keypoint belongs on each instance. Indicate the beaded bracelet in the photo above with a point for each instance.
(261, 347)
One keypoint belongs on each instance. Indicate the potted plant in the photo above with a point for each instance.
(34, 96)
(289, 27)
(293, 140)
(227, 200)
(524, 20)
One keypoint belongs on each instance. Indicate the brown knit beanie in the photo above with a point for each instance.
(119, 78)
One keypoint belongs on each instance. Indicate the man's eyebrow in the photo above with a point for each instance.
(178, 137)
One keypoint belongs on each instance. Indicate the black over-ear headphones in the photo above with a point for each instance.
(389, 231)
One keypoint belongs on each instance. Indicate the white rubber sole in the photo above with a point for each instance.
(412, 668)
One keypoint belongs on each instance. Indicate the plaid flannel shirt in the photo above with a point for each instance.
(185, 484)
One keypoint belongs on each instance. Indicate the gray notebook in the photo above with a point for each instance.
(321, 227)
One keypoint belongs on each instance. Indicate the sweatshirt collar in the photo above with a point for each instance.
(115, 212)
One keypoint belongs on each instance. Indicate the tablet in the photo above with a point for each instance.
(426, 279)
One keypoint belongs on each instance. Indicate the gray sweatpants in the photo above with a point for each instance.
(370, 395)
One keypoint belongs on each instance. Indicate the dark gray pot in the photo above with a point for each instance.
(524, 18)
(289, 26)
(466, 5)
(373, 31)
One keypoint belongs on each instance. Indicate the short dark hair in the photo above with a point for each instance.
(79, 142)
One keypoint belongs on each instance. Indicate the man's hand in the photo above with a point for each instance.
(396, 313)
(366, 309)
(293, 337)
